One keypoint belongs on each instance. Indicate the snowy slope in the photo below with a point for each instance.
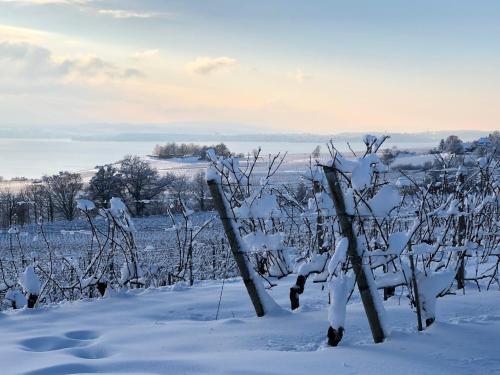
(415, 161)
(173, 331)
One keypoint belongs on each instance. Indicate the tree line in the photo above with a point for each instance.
(174, 150)
(451, 145)
(140, 186)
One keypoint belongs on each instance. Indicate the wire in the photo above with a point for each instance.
(222, 288)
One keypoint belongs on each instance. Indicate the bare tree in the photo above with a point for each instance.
(63, 189)
(316, 152)
(495, 142)
(105, 184)
(453, 145)
(141, 183)
(200, 189)
(8, 207)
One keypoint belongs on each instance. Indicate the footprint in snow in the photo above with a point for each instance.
(77, 343)
(90, 352)
(48, 343)
(82, 335)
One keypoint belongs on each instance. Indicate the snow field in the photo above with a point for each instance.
(173, 330)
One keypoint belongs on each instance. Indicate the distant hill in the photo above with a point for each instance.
(206, 132)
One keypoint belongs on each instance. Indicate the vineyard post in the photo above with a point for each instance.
(320, 232)
(233, 237)
(415, 290)
(345, 221)
(462, 228)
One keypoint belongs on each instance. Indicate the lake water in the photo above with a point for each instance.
(33, 158)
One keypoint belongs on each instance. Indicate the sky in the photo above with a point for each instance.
(291, 66)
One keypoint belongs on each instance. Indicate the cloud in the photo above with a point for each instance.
(88, 66)
(18, 34)
(89, 6)
(45, 2)
(19, 51)
(132, 73)
(299, 76)
(208, 65)
(145, 54)
(27, 60)
(124, 14)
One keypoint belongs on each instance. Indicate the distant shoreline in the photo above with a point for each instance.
(32, 157)
(113, 134)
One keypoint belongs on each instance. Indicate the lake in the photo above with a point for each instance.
(33, 158)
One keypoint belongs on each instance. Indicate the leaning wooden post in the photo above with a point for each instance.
(345, 221)
(233, 236)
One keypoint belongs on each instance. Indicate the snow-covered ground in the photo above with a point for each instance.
(414, 160)
(293, 166)
(174, 331)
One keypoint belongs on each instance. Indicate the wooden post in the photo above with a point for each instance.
(320, 233)
(415, 291)
(462, 228)
(345, 222)
(190, 263)
(214, 265)
(101, 287)
(296, 290)
(32, 298)
(234, 239)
